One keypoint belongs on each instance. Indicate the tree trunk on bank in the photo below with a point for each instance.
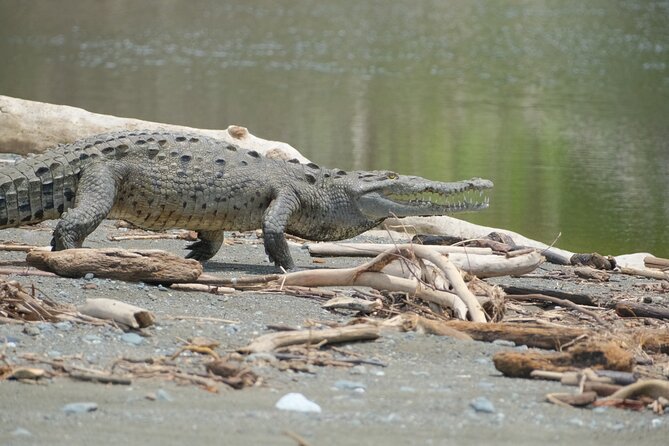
(32, 127)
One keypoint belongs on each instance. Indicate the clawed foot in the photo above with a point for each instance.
(200, 251)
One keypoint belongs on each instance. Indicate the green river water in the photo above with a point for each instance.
(563, 104)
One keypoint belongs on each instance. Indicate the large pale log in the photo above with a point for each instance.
(149, 265)
(444, 225)
(32, 127)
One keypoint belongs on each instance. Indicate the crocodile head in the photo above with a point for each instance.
(379, 195)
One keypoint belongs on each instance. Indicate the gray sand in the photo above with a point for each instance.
(423, 396)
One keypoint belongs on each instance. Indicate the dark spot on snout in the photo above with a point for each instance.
(185, 158)
(310, 178)
(41, 171)
(253, 154)
(180, 138)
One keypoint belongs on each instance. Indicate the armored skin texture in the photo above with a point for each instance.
(159, 181)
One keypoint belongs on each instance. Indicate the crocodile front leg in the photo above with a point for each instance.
(274, 225)
(95, 196)
(207, 247)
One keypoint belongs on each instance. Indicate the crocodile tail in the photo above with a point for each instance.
(36, 189)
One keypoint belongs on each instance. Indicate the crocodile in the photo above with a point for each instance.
(158, 181)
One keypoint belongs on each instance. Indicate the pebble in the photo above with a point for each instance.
(162, 288)
(297, 402)
(576, 422)
(655, 423)
(31, 330)
(231, 329)
(80, 407)
(89, 276)
(132, 338)
(482, 404)
(21, 432)
(358, 370)
(504, 343)
(355, 386)
(64, 325)
(45, 326)
(92, 339)
(163, 395)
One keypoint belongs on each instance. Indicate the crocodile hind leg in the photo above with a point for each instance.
(207, 247)
(94, 199)
(274, 225)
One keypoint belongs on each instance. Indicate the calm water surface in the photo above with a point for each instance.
(565, 105)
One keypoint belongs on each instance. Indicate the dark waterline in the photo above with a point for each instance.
(565, 105)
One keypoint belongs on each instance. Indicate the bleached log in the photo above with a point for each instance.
(272, 341)
(148, 265)
(373, 249)
(32, 127)
(117, 311)
(444, 225)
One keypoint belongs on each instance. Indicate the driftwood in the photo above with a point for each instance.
(579, 299)
(368, 274)
(656, 262)
(373, 249)
(151, 266)
(607, 355)
(371, 274)
(444, 225)
(272, 341)
(649, 273)
(532, 335)
(353, 303)
(653, 388)
(117, 311)
(28, 127)
(636, 309)
(201, 287)
(23, 248)
(476, 261)
(189, 236)
(557, 301)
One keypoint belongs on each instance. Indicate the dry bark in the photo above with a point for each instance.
(150, 266)
(30, 127)
(532, 335)
(606, 355)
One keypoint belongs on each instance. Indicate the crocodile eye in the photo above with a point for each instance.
(392, 176)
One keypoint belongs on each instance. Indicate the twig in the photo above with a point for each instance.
(298, 438)
(558, 301)
(104, 379)
(203, 318)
